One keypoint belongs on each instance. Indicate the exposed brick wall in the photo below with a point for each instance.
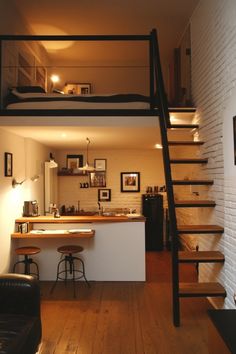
(213, 32)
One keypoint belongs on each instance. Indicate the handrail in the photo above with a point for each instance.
(164, 124)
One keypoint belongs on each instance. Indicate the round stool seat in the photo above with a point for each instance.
(70, 249)
(27, 250)
(27, 261)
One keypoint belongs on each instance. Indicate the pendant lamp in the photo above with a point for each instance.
(87, 167)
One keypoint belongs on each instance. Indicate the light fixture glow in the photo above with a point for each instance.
(173, 119)
(87, 167)
(55, 78)
(158, 146)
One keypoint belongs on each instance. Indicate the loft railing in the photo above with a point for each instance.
(154, 85)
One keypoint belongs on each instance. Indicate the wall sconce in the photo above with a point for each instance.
(34, 178)
(15, 183)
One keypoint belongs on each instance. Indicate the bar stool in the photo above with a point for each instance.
(27, 261)
(69, 265)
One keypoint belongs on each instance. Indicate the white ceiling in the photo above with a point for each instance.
(100, 137)
(170, 17)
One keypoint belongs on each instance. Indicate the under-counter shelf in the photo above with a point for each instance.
(67, 234)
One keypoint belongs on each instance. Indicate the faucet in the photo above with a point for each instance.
(100, 209)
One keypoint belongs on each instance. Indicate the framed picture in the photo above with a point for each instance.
(74, 162)
(8, 157)
(97, 179)
(100, 164)
(104, 195)
(130, 181)
(78, 88)
(234, 128)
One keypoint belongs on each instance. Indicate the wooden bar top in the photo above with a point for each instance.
(54, 235)
(80, 219)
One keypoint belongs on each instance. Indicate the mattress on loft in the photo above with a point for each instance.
(18, 100)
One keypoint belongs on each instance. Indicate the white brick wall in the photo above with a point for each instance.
(213, 30)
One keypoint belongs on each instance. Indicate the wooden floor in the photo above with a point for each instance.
(124, 317)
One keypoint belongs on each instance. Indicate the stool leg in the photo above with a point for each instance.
(27, 264)
(37, 269)
(14, 267)
(73, 271)
(58, 269)
(83, 272)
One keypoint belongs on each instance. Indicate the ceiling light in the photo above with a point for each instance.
(87, 167)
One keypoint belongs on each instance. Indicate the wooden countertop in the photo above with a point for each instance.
(66, 234)
(79, 219)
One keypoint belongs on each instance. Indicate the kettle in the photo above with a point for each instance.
(30, 208)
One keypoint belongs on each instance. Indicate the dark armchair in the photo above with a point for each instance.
(20, 321)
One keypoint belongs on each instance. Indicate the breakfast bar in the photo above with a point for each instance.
(114, 246)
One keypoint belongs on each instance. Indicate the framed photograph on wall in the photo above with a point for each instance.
(100, 164)
(130, 181)
(74, 162)
(97, 179)
(81, 88)
(8, 159)
(104, 195)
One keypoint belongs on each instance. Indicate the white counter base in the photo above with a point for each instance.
(116, 253)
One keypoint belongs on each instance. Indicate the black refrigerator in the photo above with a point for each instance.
(153, 211)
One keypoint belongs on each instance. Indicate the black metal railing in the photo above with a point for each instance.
(164, 120)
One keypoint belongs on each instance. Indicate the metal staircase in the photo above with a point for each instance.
(181, 290)
(196, 289)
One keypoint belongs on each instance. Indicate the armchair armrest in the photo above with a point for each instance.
(19, 294)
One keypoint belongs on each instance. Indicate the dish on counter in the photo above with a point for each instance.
(134, 215)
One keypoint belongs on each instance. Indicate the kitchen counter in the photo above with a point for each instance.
(114, 246)
(81, 219)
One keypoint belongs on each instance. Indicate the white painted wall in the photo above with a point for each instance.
(28, 158)
(213, 30)
(147, 162)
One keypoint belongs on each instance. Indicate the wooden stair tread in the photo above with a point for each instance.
(201, 290)
(201, 256)
(191, 160)
(186, 142)
(200, 229)
(192, 182)
(195, 203)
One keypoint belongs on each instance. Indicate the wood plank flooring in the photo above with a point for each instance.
(124, 317)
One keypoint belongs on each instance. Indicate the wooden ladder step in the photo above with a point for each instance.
(190, 142)
(189, 161)
(194, 203)
(201, 256)
(201, 290)
(179, 182)
(200, 229)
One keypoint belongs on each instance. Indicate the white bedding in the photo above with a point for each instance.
(66, 101)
